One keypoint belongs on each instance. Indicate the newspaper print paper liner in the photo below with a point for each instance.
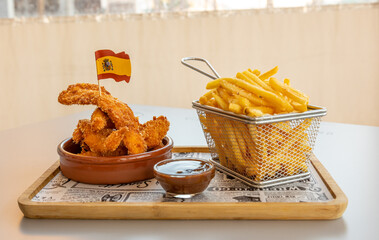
(223, 188)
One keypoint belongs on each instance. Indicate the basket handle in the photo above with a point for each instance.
(198, 70)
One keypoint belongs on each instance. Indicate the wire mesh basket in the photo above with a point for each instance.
(263, 151)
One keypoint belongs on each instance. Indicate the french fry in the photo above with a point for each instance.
(220, 102)
(246, 144)
(303, 125)
(228, 144)
(283, 127)
(294, 135)
(241, 92)
(205, 98)
(263, 110)
(287, 91)
(208, 94)
(243, 76)
(299, 107)
(276, 101)
(233, 107)
(255, 71)
(224, 95)
(242, 101)
(270, 140)
(293, 143)
(287, 82)
(258, 81)
(212, 102)
(239, 136)
(276, 139)
(301, 146)
(238, 160)
(269, 73)
(260, 153)
(213, 84)
(253, 112)
(299, 93)
(212, 126)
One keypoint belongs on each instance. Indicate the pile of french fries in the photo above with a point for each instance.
(255, 94)
(260, 152)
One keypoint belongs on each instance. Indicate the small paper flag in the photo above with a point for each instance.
(113, 65)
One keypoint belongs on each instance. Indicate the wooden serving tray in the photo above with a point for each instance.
(184, 210)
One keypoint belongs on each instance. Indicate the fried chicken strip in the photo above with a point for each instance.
(119, 112)
(82, 94)
(134, 141)
(100, 120)
(102, 142)
(154, 131)
(106, 141)
(77, 135)
(88, 94)
(99, 134)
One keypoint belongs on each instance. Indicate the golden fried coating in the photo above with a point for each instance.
(95, 140)
(77, 135)
(119, 112)
(153, 131)
(114, 139)
(113, 129)
(106, 141)
(100, 120)
(134, 141)
(88, 94)
(82, 94)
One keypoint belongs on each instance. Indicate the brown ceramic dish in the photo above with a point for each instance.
(110, 170)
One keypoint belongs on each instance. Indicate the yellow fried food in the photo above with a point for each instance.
(274, 99)
(269, 73)
(260, 152)
(287, 91)
(258, 81)
(239, 91)
(252, 89)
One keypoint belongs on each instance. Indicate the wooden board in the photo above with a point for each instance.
(187, 210)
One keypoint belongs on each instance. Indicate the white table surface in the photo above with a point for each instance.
(349, 152)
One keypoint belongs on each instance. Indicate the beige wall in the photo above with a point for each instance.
(332, 54)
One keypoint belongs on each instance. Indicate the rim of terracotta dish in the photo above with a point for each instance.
(181, 159)
(115, 159)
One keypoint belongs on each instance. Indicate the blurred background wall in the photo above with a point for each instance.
(332, 54)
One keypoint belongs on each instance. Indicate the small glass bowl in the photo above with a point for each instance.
(184, 178)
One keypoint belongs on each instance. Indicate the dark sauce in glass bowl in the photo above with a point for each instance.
(184, 178)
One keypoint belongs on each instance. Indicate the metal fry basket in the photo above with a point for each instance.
(263, 151)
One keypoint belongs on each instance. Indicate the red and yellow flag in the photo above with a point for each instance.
(113, 65)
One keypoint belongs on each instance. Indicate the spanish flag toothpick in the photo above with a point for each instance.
(112, 65)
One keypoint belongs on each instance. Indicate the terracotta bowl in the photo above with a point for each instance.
(110, 170)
